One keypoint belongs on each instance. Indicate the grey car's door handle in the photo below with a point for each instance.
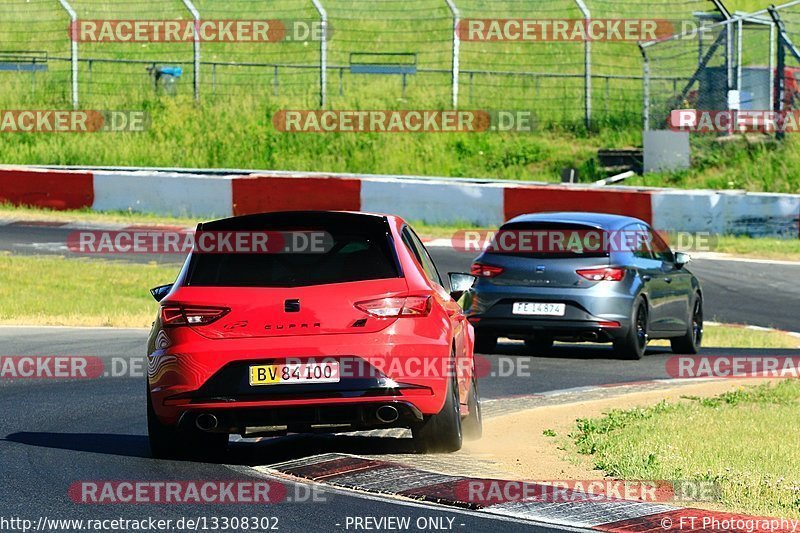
(668, 280)
(646, 278)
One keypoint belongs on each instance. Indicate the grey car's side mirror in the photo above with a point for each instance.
(460, 283)
(681, 258)
(160, 292)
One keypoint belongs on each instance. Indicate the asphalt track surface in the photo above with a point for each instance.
(57, 432)
(759, 294)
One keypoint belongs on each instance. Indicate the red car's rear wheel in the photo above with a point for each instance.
(441, 433)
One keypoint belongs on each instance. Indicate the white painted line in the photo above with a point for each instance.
(90, 328)
(439, 243)
(758, 328)
(753, 327)
(715, 256)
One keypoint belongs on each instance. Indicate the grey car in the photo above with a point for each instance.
(626, 291)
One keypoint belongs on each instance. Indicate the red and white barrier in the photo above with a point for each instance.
(432, 200)
(163, 193)
(46, 188)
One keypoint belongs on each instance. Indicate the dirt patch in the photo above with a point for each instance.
(519, 449)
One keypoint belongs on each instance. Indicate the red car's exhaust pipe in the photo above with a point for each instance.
(206, 422)
(387, 414)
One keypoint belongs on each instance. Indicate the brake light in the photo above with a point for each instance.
(603, 274)
(411, 306)
(176, 315)
(485, 271)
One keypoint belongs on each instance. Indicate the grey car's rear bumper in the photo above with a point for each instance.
(588, 312)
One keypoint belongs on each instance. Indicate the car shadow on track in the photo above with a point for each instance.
(587, 351)
(105, 443)
(263, 451)
(570, 351)
(280, 449)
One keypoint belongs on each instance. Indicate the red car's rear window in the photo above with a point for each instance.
(359, 248)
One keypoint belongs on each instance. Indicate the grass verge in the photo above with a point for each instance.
(733, 336)
(14, 212)
(733, 440)
(54, 291)
(766, 248)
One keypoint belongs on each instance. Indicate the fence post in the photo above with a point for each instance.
(772, 65)
(646, 86)
(73, 37)
(323, 53)
(739, 38)
(587, 67)
(196, 17)
(720, 6)
(456, 51)
(785, 44)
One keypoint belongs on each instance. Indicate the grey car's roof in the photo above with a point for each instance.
(600, 220)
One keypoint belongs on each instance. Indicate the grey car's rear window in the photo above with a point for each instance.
(549, 240)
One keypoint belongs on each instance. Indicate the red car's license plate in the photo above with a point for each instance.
(294, 373)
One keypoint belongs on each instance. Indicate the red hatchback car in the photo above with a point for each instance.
(356, 333)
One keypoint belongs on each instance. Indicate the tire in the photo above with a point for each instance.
(537, 345)
(485, 341)
(633, 345)
(169, 442)
(441, 433)
(163, 439)
(473, 423)
(690, 342)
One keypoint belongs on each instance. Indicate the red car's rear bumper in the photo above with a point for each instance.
(190, 375)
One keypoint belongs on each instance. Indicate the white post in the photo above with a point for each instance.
(196, 17)
(323, 53)
(772, 65)
(587, 66)
(74, 50)
(456, 50)
(739, 31)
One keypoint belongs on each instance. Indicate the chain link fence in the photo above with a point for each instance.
(365, 54)
(33, 45)
(720, 64)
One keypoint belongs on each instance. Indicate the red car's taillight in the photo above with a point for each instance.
(485, 271)
(603, 274)
(176, 315)
(397, 307)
